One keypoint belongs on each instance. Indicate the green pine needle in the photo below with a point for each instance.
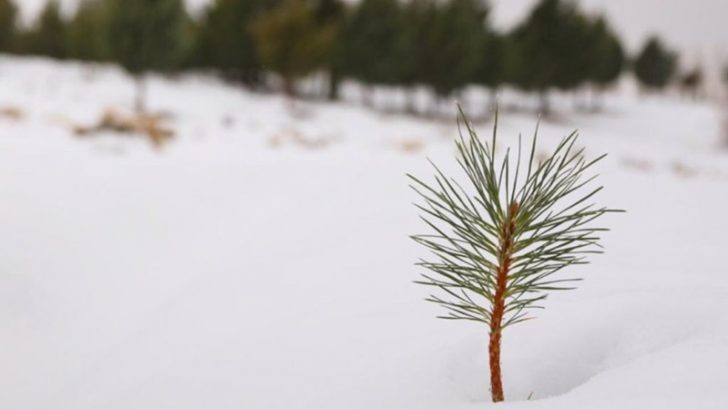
(549, 205)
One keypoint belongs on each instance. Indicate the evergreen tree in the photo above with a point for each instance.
(500, 245)
(373, 42)
(655, 65)
(550, 46)
(291, 42)
(413, 53)
(328, 11)
(454, 42)
(607, 55)
(691, 82)
(48, 34)
(224, 40)
(494, 64)
(85, 35)
(577, 39)
(8, 25)
(332, 12)
(146, 35)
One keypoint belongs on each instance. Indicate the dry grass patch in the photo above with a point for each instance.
(11, 112)
(410, 145)
(296, 137)
(150, 125)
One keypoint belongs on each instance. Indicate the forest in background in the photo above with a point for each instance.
(441, 45)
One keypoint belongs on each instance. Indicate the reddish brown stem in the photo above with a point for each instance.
(508, 230)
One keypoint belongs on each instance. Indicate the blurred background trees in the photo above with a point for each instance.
(85, 32)
(291, 43)
(47, 35)
(493, 70)
(558, 47)
(444, 46)
(146, 35)
(655, 65)
(606, 55)
(224, 41)
(8, 26)
(691, 82)
(373, 44)
(331, 13)
(454, 43)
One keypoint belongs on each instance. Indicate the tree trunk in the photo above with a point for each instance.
(596, 101)
(409, 103)
(579, 101)
(141, 94)
(508, 231)
(334, 81)
(290, 92)
(367, 96)
(289, 88)
(436, 103)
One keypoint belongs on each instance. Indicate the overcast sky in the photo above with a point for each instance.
(699, 28)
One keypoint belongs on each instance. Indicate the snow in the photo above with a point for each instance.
(236, 268)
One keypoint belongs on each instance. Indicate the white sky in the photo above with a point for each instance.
(699, 28)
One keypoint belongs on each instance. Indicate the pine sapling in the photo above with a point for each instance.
(498, 244)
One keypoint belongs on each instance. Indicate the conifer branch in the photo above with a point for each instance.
(498, 244)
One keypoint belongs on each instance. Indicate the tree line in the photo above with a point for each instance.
(442, 45)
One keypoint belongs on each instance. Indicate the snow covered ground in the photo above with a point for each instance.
(262, 260)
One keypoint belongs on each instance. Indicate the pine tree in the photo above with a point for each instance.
(332, 13)
(85, 34)
(413, 53)
(146, 35)
(550, 46)
(606, 55)
(499, 244)
(47, 36)
(8, 25)
(373, 43)
(224, 41)
(655, 65)
(454, 44)
(494, 64)
(577, 38)
(691, 82)
(291, 43)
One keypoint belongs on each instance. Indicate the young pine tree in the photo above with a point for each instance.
(85, 33)
(499, 242)
(332, 12)
(146, 35)
(224, 41)
(655, 65)
(454, 42)
(47, 37)
(606, 55)
(494, 65)
(550, 46)
(291, 42)
(8, 25)
(372, 42)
